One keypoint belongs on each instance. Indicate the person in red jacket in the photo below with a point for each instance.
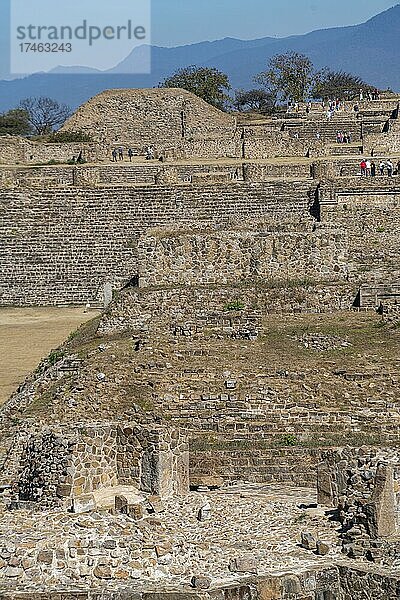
(363, 166)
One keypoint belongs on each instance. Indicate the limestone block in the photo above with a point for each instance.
(243, 565)
(383, 507)
(200, 582)
(322, 548)
(308, 541)
(83, 504)
(204, 513)
(324, 486)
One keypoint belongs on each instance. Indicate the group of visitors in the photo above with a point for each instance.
(369, 95)
(118, 154)
(343, 137)
(369, 168)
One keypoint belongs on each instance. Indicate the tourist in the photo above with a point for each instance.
(121, 153)
(130, 154)
(318, 135)
(339, 137)
(373, 169)
(389, 166)
(114, 155)
(368, 168)
(382, 168)
(363, 167)
(149, 153)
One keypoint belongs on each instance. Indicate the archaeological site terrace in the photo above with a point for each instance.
(226, 427)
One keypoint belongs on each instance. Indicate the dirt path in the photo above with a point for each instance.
(27, 335)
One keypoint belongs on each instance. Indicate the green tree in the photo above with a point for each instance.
(208, 83)
(289, 76)
(258, 100)
(15, 122)
(45, 114)
(337, 84)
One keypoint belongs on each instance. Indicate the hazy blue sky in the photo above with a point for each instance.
(176, 22)
(184, 21)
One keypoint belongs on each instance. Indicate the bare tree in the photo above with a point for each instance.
(45, 114)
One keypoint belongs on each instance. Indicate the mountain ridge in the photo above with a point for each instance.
(369, 50)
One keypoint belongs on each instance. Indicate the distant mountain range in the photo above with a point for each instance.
(370, 50)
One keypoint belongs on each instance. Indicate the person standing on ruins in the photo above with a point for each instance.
(381, 168)
(389, 166)
(130, 154)
(368, 168)
(363, 167)
(373, 169)
(114, 155)
(121, 153)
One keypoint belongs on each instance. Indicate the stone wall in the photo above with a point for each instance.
(290, 466)
(370, 212)
(262, 142)
(363, 485)
(357, 583)
(63, 245)
(330, 583)
(149, 173)
(229, 257)
(62, 464)
(15, 150)
(157, 309)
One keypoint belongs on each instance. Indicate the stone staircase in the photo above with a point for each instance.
(345, 149)
(308, 129)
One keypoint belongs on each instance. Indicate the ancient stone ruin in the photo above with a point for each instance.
(227, 425)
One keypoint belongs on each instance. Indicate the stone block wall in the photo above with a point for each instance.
(62, 245)
(156, 460)
(370, 213)
(263, 142)
(261, 172)
(364, 486)
(382, 144)
(358, 583)
(15, 150)
(289, 466)
(149, 174)
(65, 463)
(157, 309)
(228, 257)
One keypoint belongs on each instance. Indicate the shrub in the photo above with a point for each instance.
(234, 305)
(288, 439)
(63, 137)
(55, 356)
